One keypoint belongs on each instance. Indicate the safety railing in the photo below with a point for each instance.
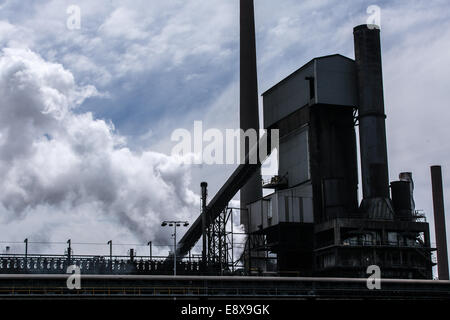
(13, 263)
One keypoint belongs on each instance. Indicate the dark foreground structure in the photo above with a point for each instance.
(200, 287)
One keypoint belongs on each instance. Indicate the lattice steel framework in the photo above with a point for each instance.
(220, 242)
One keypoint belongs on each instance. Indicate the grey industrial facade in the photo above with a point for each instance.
(313, 221)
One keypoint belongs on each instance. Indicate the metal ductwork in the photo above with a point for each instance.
(249, 117)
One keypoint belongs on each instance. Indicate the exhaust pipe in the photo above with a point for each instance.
(372, 127)
(204, 186)
(249, 115)
(439, 222)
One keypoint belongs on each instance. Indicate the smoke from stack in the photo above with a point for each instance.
(67, 174)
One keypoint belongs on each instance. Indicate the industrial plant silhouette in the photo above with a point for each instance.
(308, 237)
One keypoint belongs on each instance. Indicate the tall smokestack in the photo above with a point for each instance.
(249, 118)
(439, 222)
(372, 127)
(204, 186)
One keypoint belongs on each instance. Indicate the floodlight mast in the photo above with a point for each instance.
(175, 224)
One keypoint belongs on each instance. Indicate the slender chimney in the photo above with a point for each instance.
(204, 186)
(249, 118)
(372, 127)
(131, 255)
(439, 222)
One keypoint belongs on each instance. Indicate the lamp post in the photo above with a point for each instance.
(174, 224)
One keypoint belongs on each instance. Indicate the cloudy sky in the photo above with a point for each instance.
(86, 114)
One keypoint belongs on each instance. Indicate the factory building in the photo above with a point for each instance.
(313, 223)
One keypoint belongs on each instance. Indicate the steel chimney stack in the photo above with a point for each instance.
(205, 221)
(372, 127)
(439, 222)
(249, 117)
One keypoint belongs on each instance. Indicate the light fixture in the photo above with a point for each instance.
(174, 224)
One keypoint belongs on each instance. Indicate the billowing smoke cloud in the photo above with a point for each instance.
(67, 174)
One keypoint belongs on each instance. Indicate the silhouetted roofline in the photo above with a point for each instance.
(303, 67)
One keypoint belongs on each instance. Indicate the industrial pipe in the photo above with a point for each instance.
(249, 117)
(439, 222)
(204, 186)
(371, 115)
